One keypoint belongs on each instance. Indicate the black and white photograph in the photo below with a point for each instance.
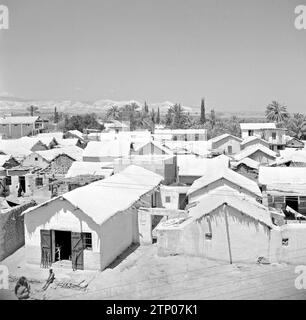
(152, 150)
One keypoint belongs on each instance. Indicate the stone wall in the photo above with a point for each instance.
(12, 229)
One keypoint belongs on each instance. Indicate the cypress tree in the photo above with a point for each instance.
(158, 116)
(202, 119)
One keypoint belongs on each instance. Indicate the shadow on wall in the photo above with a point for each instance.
(132, 248)
(12, 230)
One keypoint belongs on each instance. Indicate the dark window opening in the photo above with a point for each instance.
(208, 236)
(292, 202)
(39, 182)
(87, 241)
(250, 133)
(8, 181)
(285, 242)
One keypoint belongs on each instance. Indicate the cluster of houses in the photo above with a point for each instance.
(91, 195)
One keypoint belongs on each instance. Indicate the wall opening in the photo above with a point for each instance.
(62, 245)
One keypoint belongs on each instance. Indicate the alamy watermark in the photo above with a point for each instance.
(300, 281)
(4, 17)
(300, 20)
(4, 277)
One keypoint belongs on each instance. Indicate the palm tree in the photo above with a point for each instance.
(276, 112)
(297, 125)
(113, 113)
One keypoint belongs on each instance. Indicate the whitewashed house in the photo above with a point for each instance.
(106, 151)
(191, 167)
(252, 141)
(93, 224)
(276, 137)
(223, 224)
(217, 177)
(180, 135)
(226, 144)
(283, 187)
(83, 168)
(148, 148)
(259, 153)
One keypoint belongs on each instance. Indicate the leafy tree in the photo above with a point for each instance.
(202, 119)
(32, 109)
(276, 112)
(146, 108)
(81, 122)
(177, 118)
(296, 125)
(213, 117)
(113, 113)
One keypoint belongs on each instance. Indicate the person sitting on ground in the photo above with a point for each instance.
(49, 280)
(22, 289)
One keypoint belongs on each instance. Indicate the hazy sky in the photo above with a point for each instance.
(239, 54)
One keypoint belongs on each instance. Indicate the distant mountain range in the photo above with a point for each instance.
(12, 105)
(15, 106)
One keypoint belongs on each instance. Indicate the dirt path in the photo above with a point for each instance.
(144, 275)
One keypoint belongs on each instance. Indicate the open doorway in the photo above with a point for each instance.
(292, 202)
(22, 186)
(156, 219)
(62, 245)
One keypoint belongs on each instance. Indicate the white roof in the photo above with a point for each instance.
(282, 175)
(218, 172)
(112, 148)
(254, 138)
(4, 158)
(296, 156)
(228, 196)
(252, 149)
(77, 133)
(257, 126)
(56, 135)
(190, 165)
(141, 144)
(180, 131)
(16, 148)
(224, 136)
(79, 168)
(71, 151)
(67, 142)
(102, 199)
(249, 163)
(18, 120)
(202, 148)
(283, 180)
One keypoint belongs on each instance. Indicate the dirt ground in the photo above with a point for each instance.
(141, 274)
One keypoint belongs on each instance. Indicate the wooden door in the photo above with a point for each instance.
(46, 248)
(77, 249)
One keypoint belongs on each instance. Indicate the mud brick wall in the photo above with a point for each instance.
(12, 229)
(59, 166)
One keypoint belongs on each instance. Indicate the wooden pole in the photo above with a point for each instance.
(227, 233)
